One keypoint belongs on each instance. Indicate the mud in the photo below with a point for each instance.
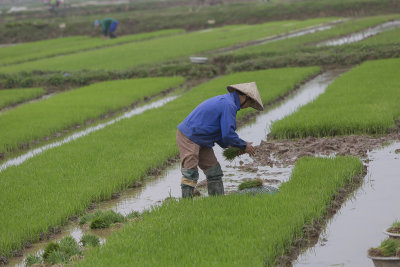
(286, 152)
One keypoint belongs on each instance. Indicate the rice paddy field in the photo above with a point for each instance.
(146, 72)
(14, 96)
(363, 101)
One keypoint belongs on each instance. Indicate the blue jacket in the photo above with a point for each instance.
(214, 121)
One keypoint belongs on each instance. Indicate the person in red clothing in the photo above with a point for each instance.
(108, 27)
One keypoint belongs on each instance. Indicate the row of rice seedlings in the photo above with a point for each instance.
(340, 29)
(66, 251)
(53, 47)
(13, 96)
(364, 100)
(234, 230)
(44, 118)
(45, 190)
(162, 49)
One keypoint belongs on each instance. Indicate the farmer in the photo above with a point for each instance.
(213, 121)
(108, 26)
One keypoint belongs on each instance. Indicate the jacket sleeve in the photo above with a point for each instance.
(228, 127)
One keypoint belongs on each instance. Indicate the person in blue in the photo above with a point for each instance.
(108, 27)
(213, 121)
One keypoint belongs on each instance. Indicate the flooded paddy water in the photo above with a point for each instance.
(157, 189)
(360, 222)
(274, 171)
(358, 36)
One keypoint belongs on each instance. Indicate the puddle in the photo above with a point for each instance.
(19, 160)
(157, 189)
(359, 224)
(100, 3)
(355, 37)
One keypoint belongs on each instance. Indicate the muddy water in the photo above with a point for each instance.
(360, 222)
(19, 160)
(156, 189)
(355, 37)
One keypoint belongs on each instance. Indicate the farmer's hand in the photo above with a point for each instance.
(250, 149)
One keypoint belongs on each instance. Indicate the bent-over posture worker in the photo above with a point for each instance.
(108, 26)
(213, 121)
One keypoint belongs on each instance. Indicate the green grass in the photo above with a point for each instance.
(53, 47)
(364, 100)
(47, 189)
(235, 230)
(162, 49)
(341, 29)
(13, 96)
(44, 118)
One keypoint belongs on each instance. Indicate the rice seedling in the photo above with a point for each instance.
(32, 259)
(50, 247)
(90, 240)
(53, 47)
(13, 96)
(394, 228)
(344, 28)
(361, 101)
(252, 183)
(65, 180)
(231, 153)
(44, 118)
(161, 49)
(388, 248)
(219, 230)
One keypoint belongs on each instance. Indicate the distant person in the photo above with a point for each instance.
(108, 26)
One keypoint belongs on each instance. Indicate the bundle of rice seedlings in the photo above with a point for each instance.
(252, 183)
(231, 153)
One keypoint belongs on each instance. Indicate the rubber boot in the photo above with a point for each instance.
(187, 191)
(214, 180)
(189, 181)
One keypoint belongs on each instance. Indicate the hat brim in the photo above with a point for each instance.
(256, 105)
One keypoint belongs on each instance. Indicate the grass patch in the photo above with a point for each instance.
(219, 229)
(65, 180)
(161, 49)
(364, 100)
(44, 118)
(13, 96)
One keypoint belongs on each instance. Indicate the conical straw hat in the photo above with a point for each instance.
(249, 89)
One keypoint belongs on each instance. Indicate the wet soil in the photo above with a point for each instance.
(286, 152)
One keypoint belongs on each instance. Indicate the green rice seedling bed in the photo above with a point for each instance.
(162, 49)
(341, 29)
(48, 48)
(13, 96)
(235, 230)
(44, 118)
(364, 100)
(45, 190)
